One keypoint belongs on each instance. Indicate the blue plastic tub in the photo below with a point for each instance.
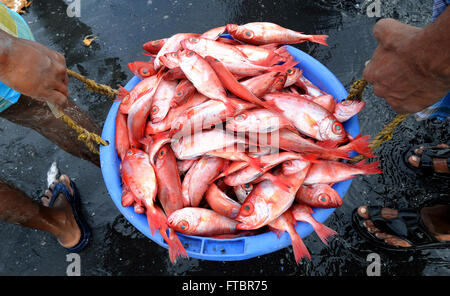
(225, 249)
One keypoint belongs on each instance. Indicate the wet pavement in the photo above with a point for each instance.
(122, 27)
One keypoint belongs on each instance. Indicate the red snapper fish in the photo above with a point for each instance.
(265, 33)
(154, 46)
(203, 77)
(326, 172)
(201, 222)
(268, 201)
(204, 170)
(346, 109)
(171, 45)
(142, 69)
(221, 203)
(121, 136)
(308, 117)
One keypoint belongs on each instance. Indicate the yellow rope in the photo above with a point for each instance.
(94, 86)
(84, 135)
(387, 133)
(90, 139)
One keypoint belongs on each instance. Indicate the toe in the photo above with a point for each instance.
(46, 198)
(66, 181)
(414, 160)
(363, 212)
(394, 241)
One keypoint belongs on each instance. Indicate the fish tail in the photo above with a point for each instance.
(321, 39)
(369, 168)
(324, 232)
(299, 248)
(122, 93)
(255, 163)
(284, 67)
(176, 249)
(156, 219)
(284, 53)
(361, 146)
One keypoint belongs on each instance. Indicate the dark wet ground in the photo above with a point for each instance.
(122, 27)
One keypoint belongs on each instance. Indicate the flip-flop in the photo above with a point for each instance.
(75, 202)
(408, 226)
(426, 166)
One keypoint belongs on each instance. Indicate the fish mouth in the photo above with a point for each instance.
(231, 28)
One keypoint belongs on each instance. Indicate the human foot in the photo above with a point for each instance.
(428, 227)
(70, 234)
(431, 159)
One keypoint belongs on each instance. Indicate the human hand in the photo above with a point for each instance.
(398, 69)
(35, 70)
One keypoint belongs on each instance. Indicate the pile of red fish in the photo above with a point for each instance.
(223, 137)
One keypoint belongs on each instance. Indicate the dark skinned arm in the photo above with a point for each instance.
(410, 68)
(33, 70)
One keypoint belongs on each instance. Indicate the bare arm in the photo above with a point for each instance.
(410, 68)
(33, 69)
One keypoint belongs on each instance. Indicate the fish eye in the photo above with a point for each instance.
(174, 54)
(247, 186)
(337, 128)
(183, 225)
(155, 110)
(323, 198)
(248, 34)
(162, 153)
(144, 72)
(290, 71)
(129, 152)
(240, 117)
(190, 53)
(195, 40)
(346, 102)
(179, 94)
(247, 209)
(287, 163)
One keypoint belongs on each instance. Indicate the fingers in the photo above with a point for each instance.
(57, 98)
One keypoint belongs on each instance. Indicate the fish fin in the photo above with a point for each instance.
(231, 106)
(272, 59)
(299, 247)
(361, 146)
(369, 168)
(255, 163)
(127, 199)
(321, 39)
(277, 181)
(284, 67)
(278, 232)
(324, 232)
(328, 144)
(283, 52)
(122, 93)
(176, 249)
(156, 219)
